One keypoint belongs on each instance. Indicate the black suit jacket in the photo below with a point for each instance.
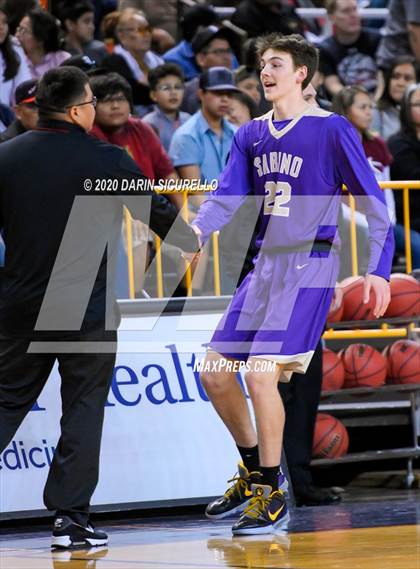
(58, 228)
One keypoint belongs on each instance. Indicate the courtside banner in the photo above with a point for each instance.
(162, 440)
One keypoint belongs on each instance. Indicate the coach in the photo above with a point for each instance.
(61, 240)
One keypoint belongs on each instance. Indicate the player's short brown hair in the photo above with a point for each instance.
(331, 6)
(303, 53)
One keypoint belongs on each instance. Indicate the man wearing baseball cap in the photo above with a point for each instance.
(200, 147)
(25, 110)
(212, 47)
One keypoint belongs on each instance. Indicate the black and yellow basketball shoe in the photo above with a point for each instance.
(265, 513)
(236, 498)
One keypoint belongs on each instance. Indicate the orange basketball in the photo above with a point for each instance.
(363, 366)
(385, 353)
(404, 362)
(354, 307)
(405, 296)
(330, 437)
(332, 371)
(335, 315)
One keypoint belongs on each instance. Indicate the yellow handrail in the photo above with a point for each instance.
(188, 273)
(130, 256)
(406, 217)
(159, 269)
(404, 185)
(216, 264)
(359, 334)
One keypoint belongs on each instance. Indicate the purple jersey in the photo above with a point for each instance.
(297, 168)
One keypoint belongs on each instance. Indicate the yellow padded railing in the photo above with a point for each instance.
(404, 186)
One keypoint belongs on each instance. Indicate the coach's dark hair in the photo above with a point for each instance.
(303, 53)
(74, 9)
(407, 124)
(11, 58)
(59, 88)
(105, 84)
(161, 71)
(45, 29)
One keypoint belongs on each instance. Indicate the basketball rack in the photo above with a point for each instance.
(380, 406)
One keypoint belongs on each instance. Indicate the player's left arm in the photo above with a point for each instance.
(356, 173)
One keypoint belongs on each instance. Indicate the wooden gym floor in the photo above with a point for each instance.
(379, 531)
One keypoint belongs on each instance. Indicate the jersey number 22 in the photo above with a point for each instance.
(276, 195)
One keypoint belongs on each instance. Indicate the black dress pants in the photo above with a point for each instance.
(301, 398)
(85, 382)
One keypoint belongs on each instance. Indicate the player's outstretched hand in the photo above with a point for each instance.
(191, 257)
(382, 293)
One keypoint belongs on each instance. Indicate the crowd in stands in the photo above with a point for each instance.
(172, 88)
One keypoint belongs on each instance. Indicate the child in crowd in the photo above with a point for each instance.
(247, 80)
(166, 90)
(242, 109)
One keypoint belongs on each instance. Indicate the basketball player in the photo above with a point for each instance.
(294, 160)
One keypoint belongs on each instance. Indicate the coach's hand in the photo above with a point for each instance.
(382, 293)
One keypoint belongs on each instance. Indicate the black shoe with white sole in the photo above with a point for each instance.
(68, 534)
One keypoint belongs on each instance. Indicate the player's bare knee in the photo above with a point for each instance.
(256, 384)
(213, 381)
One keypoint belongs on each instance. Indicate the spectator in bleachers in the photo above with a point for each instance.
(13, 66)
(242, 109)
(102, 8)
(78, 21)
(114, 124)
(162, 14)
(166, 90)
(212, 47)
(182, 54)
(132, 57)
(348, 56)
(405, 148)
(162, 17)
(247, 80)
(16, 9)
(356, 104)
(200, 147)
(397, 77)
(401, 35)
(25, 110)
(38, 33)
(258, 17)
